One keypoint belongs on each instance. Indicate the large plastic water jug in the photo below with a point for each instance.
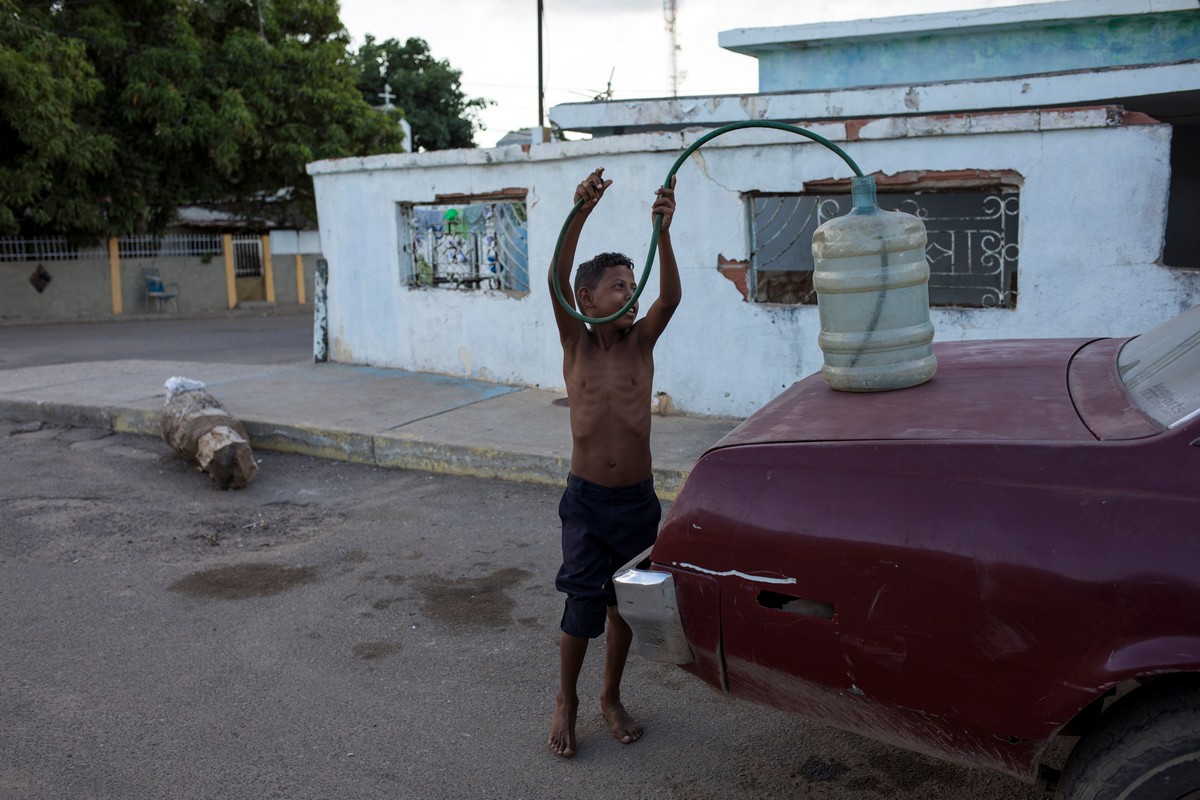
(872, 282)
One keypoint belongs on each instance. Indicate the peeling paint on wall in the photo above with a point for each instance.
(735, 271)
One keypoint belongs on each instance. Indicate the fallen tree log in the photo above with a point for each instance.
(201, 430)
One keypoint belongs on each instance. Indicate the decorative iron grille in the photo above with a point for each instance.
(972, 247)
(471, 246)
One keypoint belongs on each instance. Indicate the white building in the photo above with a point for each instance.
(1049, 148)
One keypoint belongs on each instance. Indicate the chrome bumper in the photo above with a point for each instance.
(646, 600)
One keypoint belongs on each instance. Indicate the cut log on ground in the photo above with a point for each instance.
(200, 429)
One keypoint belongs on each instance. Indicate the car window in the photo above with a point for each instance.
(1161, 369)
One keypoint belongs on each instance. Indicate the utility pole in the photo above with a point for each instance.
(262, 34)
(541, 88)
(669, 11)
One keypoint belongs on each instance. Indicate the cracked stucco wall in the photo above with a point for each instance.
(1093, 206)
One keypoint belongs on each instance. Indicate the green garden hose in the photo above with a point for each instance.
(641, 284)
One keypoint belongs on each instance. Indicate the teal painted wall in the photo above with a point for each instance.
(950, 55)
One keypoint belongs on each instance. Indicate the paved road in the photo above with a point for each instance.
(242, 339)
(334, 630)
(340, 631)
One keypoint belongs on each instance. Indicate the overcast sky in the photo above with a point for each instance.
(494, 44)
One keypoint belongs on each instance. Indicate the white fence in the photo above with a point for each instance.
(60, 248)
(181, 245)
(57, 248)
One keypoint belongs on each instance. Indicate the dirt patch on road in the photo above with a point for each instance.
(471, 601)
(97, 527)
(240, 581)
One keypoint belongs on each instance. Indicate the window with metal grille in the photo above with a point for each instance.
(972, 248)
(471, 245)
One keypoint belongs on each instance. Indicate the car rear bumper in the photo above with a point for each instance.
(646, 600)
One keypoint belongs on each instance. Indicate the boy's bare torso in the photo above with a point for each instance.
(609, 384)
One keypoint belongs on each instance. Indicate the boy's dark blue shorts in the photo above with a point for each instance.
(602, 529)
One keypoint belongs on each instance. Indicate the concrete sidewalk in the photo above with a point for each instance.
(389, 418)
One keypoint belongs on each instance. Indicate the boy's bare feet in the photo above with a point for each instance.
(627, 729)
(562, 727)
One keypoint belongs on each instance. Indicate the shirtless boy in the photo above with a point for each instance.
(609, 510)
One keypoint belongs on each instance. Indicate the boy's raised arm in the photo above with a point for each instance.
(670, 291)
(591, 189)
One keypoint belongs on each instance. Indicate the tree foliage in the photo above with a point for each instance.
(115, 112)
(48, 153)
(427, 90)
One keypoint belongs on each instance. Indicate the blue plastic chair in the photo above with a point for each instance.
(158, 292)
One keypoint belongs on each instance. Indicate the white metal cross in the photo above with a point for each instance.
(387, 96)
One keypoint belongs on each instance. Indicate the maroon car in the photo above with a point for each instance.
(969, 568)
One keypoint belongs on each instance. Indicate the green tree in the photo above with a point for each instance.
(180, 101)
(290, 69)
(155, 105)
(428, 91)
(48, 154)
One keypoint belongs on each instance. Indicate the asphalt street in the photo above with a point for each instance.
(242, 338)
(341, 631)
(334, 630)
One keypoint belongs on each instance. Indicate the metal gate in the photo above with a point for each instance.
(247, 256)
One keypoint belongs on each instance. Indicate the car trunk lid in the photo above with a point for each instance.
(987, 390)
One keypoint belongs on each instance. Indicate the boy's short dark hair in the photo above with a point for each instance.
(589, 272)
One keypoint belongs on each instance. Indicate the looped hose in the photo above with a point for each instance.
(641, 284)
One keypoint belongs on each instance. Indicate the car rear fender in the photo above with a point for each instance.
(1147, 657)
(1136, 660)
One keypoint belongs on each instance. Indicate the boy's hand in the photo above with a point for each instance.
(591, 190)
(665, 205)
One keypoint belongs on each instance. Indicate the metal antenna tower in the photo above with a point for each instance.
(669, 10)
(541, 85)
